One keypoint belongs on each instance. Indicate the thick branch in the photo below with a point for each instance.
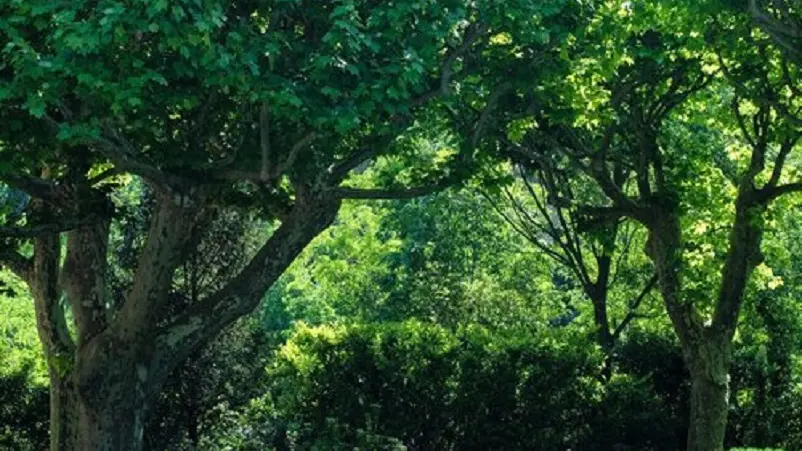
(50, 321)
(743, 255)
(204, 320)
(663, 247)
(168, 240)
(33, 186)
(779, 162)
(83, 278)
(120, 152)
(770, 193)
(37, 230)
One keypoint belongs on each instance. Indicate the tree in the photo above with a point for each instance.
(599, 261)
(265, 106)
(646, 172)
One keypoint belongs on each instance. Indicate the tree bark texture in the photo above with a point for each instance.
(709, 366)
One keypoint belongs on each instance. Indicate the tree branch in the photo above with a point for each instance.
(472, 35)
(169, 238)
(50, 321)
(20, 265)
(339, 171)
(781, 33)
(770, 193)
(38, 230)
(779, 163)
(83, 277)
(274, 172)
(204, 320)
(388, 194)
(33, 186)
(633, 307)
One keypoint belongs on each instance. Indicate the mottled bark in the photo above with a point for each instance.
(102, 385)
(111, 410)
(705, 350)
(63, 412)
(709, 367)
(207, 318)
(83, 278)
(664, 249)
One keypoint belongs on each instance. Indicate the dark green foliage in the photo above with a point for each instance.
(23, 412)
(428, 388)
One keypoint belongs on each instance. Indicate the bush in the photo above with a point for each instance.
(24, 408)
(419, 386)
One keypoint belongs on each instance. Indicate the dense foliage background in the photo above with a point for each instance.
(408, 225)
(433, 325)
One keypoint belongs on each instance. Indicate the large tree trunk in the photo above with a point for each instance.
(118, 371)
(116, 424)
(709, 368)
(112, 388)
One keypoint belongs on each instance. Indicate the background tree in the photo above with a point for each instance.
(600, 262)
(643, 177)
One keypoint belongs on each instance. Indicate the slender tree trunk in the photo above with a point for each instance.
(63, 413)
(706, 350)
(605, 338)
(598, 297)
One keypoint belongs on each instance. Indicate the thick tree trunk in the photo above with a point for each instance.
(112, 392)
(709, 400)
(706, 350)
(117, 424)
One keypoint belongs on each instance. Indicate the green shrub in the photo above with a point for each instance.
(420, 386)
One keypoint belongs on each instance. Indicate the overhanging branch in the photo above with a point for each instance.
(20, 265)
(33, 186)
(37, 230)
(388, 194)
